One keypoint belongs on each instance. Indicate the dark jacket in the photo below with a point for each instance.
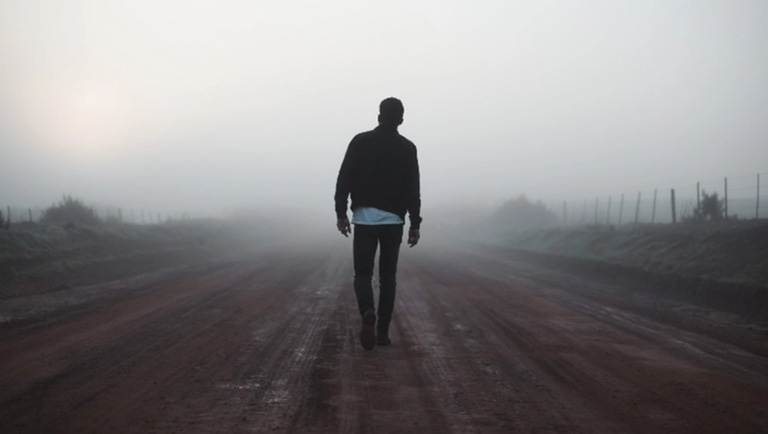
(380, 170)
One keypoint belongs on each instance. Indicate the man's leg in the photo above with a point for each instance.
(390, 237)
(364, 251)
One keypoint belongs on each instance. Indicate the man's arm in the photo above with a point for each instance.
(413, 237)
(343, 188)
(343, 226)
(414, 199)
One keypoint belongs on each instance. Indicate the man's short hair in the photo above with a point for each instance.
(391, 110)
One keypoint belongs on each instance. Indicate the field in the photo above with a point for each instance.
(214, 328)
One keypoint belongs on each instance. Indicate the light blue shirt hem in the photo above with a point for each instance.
(368, 215)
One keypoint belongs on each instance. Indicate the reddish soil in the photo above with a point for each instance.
(482, 342)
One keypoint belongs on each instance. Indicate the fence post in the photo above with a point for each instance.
(621, 209)
(674, 216)
(565, 214)
(698, 200)
(653, 214)
(757, 204)
(573, 212)
(637, 207)
(8, 220)
(608, 214)
(597, 199)
(725, 198)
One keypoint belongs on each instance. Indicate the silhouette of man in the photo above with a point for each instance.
(381, 172)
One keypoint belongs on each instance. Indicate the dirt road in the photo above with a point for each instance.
(482, 342)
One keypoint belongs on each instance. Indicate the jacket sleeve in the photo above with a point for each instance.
(414, 192)
(344, 182)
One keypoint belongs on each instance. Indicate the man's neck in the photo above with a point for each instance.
(388, 127)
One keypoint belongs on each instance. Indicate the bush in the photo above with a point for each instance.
(70, 210)
(710, 208)
(521, 213)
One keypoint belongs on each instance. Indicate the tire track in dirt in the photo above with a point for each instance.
(353, 390)
(593, 362)
(710, 339)
(107, 368)
(490, 383)
(94, 330)
(267, 342)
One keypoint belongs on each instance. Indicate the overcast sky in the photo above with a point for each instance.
(210, 106)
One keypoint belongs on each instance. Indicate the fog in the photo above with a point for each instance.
(211, 107)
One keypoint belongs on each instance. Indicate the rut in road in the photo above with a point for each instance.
(268, 342)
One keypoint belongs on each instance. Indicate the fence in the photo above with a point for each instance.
(743, 197)
(16, 215)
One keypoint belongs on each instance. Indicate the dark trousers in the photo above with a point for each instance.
(366, 239)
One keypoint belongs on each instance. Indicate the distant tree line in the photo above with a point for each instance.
(521, 214)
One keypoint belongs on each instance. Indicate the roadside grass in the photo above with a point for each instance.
(39, 258)
(734, 251)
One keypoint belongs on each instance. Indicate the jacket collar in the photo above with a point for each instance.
(392, 128)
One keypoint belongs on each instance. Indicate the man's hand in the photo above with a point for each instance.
(413, 237)
(343, 226)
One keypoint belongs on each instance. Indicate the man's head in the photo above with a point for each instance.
(391, 112)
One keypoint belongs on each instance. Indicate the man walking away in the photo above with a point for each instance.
(381, 172)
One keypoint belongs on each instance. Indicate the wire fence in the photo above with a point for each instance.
(16, 215)
(741, 197)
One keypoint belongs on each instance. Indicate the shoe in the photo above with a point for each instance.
(368, 331)
(382, 339)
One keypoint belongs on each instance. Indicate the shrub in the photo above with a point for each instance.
(521, 213)
(710, 208)
(70, 210)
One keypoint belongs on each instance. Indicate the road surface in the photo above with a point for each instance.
(482, 342)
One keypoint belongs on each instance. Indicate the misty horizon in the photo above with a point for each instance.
(203, 109)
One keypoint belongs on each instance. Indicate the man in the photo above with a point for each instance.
(381, 172)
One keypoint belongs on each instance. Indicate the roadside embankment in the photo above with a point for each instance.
(37, 258)
(735, 252)
(718, 265)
